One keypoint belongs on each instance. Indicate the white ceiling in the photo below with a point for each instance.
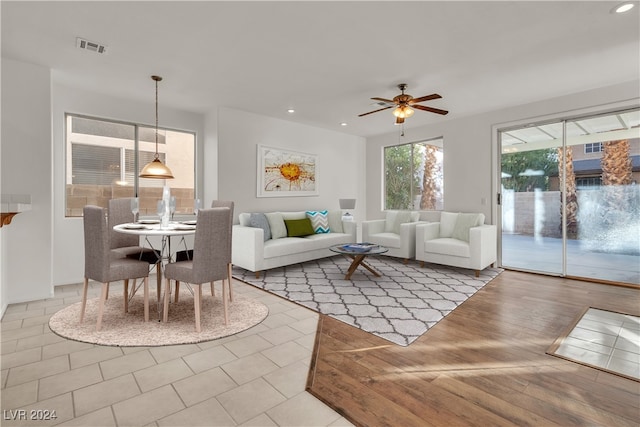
(327, 59)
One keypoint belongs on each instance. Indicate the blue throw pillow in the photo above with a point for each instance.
(259, 220)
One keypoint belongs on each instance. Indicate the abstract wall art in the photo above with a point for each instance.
(285, 173)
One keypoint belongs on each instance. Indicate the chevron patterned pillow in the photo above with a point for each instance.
(319, 221)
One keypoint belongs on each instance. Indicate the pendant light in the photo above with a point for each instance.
(155, 168)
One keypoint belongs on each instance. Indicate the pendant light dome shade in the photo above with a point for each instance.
(155, 168)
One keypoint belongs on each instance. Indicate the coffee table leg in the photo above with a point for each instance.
(358, 260)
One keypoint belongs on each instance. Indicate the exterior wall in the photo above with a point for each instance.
(532, 213)
(79, 195)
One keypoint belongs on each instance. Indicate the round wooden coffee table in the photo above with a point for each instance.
(357, 252)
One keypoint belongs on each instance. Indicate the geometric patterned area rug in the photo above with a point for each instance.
(399, 306)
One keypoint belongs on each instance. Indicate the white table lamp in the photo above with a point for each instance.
(347, 204)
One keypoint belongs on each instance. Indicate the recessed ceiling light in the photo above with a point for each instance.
(291, 111)
(623, 7)
(343, 124)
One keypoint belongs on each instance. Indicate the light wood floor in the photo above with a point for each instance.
(484, 364)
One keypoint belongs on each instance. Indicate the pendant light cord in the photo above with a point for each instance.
(157, 79)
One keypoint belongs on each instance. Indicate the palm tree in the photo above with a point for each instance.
(616, 175)
(429, 179)
(565, 156)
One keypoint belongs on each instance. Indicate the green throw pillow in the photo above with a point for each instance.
(299, 227)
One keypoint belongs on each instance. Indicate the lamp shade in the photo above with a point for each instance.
(347, 203)
(156, 169)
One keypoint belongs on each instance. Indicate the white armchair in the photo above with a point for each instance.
(397, 232)
(459, 240)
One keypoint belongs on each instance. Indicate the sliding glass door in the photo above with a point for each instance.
(570, 199)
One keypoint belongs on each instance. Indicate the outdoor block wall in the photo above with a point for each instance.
(532, 213)
(80, 195)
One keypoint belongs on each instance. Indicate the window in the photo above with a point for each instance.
(593, 147)
(104, 159)
(413, 176)
(588, 182)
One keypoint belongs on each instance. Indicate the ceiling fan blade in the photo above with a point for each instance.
(374, 111)
(430, 109)
(425, 98)
(388, 101)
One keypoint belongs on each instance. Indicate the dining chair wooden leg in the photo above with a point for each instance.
(126, 296)
(230, 274)
(103, 298)
(146, 299)
(84, 298)
(107, 295)
(213, 289)
(158, 280)
(196, 305)
(177, 290)
(133, 289)
(167, 296)
(225, 306)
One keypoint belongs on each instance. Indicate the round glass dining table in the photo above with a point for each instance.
(151, 228)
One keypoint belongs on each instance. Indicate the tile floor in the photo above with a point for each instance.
(255, 378)
(606, 340)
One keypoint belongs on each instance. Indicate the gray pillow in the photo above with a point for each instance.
(401, 218)
(276, 223)
(259, 220)
(463, 223)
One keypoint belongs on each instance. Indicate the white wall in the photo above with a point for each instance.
(68, 246)
(210, 158)
(340, 168)
(26, 271)
(470, 146)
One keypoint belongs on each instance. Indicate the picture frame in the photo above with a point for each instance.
(286, 173)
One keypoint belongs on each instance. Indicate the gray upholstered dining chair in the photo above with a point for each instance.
(211, 258)
(128, 245)
(226, 204)
(101, 266)
(186, 255)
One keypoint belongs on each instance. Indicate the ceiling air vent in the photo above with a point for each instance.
(89, 45)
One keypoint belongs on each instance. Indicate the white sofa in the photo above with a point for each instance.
(459, 240)
(397, 231)
(251, 251)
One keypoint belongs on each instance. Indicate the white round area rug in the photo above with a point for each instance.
(130, 329)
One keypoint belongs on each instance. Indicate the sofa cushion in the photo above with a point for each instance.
(243, 219)
(390, 240)
(448, 246)
(299, 227)
(276, 224)
(294, 215)
(335, 221)
(319, 221)
(259, 220)
(463, 223)
(394, 219)
(295, 245)
(447, 223)
(389, 221)
(283, 247)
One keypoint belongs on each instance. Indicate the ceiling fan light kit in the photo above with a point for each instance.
(406, 104)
